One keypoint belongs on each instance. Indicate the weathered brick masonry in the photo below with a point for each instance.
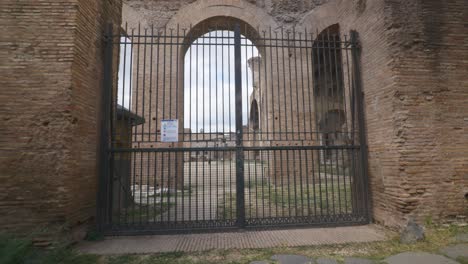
(51, 71)
(414, 65)
(430, 67)
(414, 70)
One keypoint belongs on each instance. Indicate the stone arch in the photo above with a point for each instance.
(193, 14)
(215, 23)
(329, 70)
(322, 17)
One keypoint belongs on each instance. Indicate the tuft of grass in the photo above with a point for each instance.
(94, 235)
(13, 249)
(226, 208)
(144, 212)
(21, 251)
(305, 198)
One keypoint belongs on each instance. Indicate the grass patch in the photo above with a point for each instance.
(462, 260)
(332, 169)
(187, 191)
(226, 208)
(319, 197)
(144, 212)
(21, 250)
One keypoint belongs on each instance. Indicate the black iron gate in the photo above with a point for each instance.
(227, 126)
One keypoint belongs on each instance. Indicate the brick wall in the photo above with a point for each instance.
(50, 77)
(414, 78)
(430, 66)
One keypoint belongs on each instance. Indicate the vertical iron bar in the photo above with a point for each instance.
(169, 161)
(331, 98)
(284, 88)
(362, 127)
(150, 112)
(309, 87)
(133, 129)
(158, 68)
(210, 153)
(278, 87)
(239, 149)
(304, 138)
(162, 188)
(272, 89)
(155, 186)
(147, 186)
(339, 97)
(324, 96)
(216, 119)
(319, 97)
(351, 154)
(196, 127)
(143, 112)
(138, 138)
(143, 92)
(224, 125)
(203, 125)
(178, 155)
(104, 178)
(289, 47)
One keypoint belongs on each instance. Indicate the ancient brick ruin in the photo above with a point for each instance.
(413, 65)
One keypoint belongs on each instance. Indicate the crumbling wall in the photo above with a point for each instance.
(413, 67)
(158, 13)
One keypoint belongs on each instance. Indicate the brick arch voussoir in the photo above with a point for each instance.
(201, 10)
(321, 17)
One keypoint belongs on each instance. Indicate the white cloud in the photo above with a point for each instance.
(209, 98)
(209, 82)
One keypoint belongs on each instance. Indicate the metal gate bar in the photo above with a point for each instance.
(270, 130)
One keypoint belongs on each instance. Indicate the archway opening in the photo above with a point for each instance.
(209, 82)
(329, 90)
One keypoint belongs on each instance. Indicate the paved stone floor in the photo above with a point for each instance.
(233, 240)
(455, 253)
(448, 255)
(403, 258)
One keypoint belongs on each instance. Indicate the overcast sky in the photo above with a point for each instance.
(208, 82)
(210, 99)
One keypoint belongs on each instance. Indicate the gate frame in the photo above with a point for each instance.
(356, 55)
(104, 194)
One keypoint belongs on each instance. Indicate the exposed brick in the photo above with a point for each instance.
(51, 68)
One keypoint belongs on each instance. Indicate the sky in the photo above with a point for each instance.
(208, 82)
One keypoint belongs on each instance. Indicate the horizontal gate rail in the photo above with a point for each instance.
(234, 148)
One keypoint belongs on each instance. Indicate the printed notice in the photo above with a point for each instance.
(169, 130)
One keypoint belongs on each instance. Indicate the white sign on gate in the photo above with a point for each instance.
(169, 130)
